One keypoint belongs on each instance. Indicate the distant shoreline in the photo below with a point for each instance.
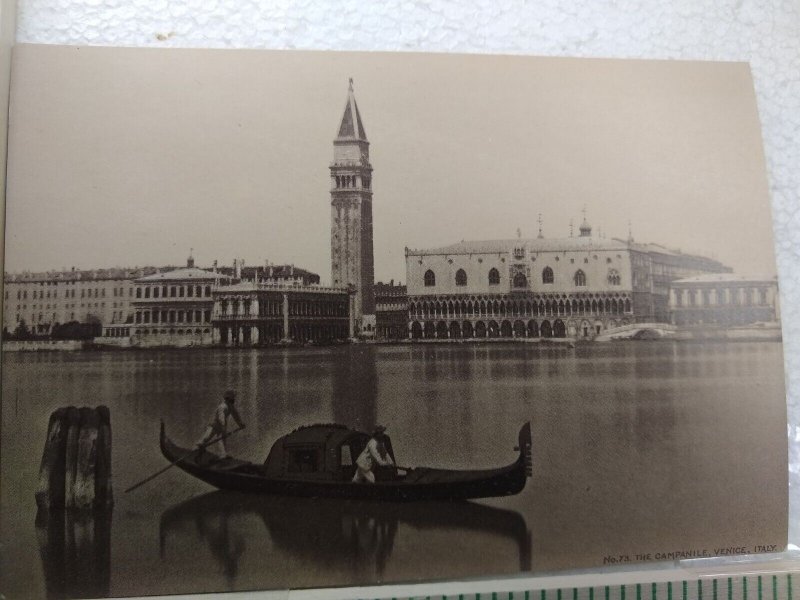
(77, 346)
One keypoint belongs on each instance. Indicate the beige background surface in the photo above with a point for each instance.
(131, 157)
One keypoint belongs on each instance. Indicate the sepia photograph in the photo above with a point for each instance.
(281, 319)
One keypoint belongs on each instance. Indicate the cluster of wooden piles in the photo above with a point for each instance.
(74, 498)
(76, 463)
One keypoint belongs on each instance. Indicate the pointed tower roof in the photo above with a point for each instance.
(351, 128)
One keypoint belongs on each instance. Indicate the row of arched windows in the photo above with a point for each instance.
(271, 308)
(172, 316)
(492, 329)
(461, 277)
(346, 181)
(463, 308)
(520, 280)
(189, 291)
(722, 296)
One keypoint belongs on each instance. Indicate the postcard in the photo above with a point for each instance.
(306, 319)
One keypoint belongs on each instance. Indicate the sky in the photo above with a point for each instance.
(132, 157)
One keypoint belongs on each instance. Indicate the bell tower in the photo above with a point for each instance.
(351, 215)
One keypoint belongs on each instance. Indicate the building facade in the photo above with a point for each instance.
(173, 308)
(724, 300)
(573, 287)
(251, 314)
(283, 274)
(654, 268)
(46, 300)
(391, 311)
(177, 307)
(352, 262)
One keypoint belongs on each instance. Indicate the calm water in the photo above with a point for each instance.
(637, 447)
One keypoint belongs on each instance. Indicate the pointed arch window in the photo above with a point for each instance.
(461, 277)
(580, 278)
(430, 278)
(494, 277)
(547, 275)
(614, 277)
(520, 281)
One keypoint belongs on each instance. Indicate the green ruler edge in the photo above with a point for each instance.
(778, 586)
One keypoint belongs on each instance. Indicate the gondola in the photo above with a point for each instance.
(319, 461)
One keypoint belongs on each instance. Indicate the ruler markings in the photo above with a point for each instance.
(738, 588)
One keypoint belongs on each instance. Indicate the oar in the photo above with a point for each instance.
(181, 459)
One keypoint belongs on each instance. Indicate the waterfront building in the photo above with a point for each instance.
(574, 287)
(724, 300)
(391, 311)
(173, 308)
(46, 300)
(251, 313)
(352, 262)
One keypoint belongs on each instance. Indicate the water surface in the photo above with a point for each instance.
(638, 447)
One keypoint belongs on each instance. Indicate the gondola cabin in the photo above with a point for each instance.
(316, 452)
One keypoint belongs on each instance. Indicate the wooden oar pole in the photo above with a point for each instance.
(181, 459)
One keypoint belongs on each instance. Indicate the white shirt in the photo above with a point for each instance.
(220, 421)
(372, 455)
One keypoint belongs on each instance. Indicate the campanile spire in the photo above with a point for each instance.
(351, 127)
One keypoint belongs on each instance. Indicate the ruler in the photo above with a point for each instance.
(783, 586)
(748, 577)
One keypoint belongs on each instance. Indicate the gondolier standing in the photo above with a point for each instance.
(219, 424)
(374, 452)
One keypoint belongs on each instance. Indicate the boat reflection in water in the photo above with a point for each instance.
(262, 541)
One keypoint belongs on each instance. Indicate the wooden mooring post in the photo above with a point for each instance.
(75, 471)
(75, 499)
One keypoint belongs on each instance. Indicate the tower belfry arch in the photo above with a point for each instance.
(352, 262)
